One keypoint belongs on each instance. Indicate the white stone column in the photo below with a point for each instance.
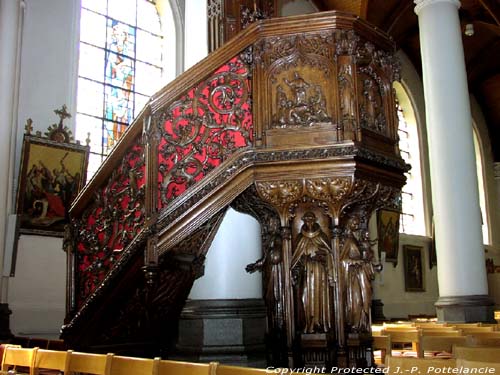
(224, 318)
(10, 31)
(236, 244)
(461, 267)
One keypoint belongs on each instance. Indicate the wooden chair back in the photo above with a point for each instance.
(482, 354)
(384, 344)
(233, 370)
(15, 357)
(409, 365)
(440, 332)
(479, 366)
(134, 366)
(495, 334)
(470, 330)
(52, 360)
(430, 325)
(472, 340)
(89, 363)
(167, 367)
(439, 344)
(410, 335)
(464, 325)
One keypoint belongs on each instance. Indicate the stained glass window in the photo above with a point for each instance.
(412, 219)
(120, 68)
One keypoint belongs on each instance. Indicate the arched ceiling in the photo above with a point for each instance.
(482, 50)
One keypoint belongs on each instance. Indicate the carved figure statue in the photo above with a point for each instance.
(312, 259)
(299, 88)
(347, 92)
(357, 272)
(271, 261)
(372, 100)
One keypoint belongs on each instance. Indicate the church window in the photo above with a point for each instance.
(120, 67)
(412, 220)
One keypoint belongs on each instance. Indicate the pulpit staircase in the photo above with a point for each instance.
(294, 114)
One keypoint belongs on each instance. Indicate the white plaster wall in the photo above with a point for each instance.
(296, 7)
(196, 32)
(236, 244)
(47, 81)
(37, 292)
(389, 285)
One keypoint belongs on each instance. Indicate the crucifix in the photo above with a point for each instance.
(63, 114)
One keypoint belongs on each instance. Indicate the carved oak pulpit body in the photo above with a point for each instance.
(293, 122)
(327, 88)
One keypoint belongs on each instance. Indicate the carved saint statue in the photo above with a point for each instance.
(271, 261)
(357, 273)
(299, 88)
(312, 261)
(347, 92)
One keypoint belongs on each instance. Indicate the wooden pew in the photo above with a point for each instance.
(17, 358)
(167, 367)
(409, 365)
(483, 354)
(473, 340)
(404, 336)
(470, 330)
(134, 366)
(88, 363)
(493, 367)
(384, 344)
(51, 360)
(439, 344)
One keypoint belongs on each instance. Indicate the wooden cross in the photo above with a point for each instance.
(29, 126)
(63, 114)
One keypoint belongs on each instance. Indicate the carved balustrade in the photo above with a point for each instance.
(294, 122)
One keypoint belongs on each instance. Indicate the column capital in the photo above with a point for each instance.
(420, 4)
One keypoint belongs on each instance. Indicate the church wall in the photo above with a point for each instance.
(48, 79)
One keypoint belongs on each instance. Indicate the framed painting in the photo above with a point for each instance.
(413, 269)
(388, 234)
(52, 173)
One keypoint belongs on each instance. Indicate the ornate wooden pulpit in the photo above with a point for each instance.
(293, 122)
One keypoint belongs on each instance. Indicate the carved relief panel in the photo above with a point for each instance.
(321, 88)
(293, 77)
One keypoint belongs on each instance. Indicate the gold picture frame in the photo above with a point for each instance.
(413, 268)
(52, 173)
(388, 234)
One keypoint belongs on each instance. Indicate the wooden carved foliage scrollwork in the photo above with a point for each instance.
(202, 128)
(110, 223)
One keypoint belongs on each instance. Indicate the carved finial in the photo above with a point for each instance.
(63, 114)
(87, 141)
(60, 132)
(29, 126)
